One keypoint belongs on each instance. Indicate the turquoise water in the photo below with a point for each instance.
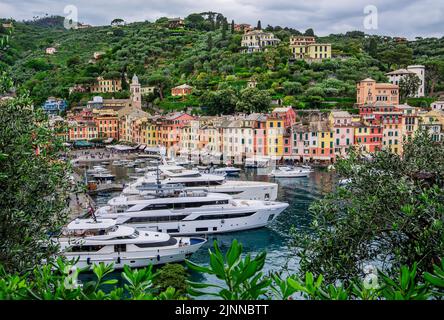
(274, 239)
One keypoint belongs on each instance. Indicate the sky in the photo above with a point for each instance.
(407, 18)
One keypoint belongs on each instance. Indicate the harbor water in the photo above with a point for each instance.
(273, 239)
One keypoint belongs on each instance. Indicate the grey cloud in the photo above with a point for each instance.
(408, 18)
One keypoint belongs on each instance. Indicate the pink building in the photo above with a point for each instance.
(285, 113)
(343, 131)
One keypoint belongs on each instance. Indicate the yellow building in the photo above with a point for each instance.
(275, 137)
(306, 48)
(106, 85)
(433, 122)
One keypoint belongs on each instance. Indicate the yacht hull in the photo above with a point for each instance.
(136, 259)
(261, 218)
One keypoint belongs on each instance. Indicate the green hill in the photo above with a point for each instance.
(207, 55)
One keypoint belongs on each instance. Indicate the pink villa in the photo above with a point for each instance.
(343, 131)
(259, 136)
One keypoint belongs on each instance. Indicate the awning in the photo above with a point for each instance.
(142, 147)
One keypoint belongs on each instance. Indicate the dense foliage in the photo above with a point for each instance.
(242, 278)
(390, 213)
(206, 54)
(33, 184)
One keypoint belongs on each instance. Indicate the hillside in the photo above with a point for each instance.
(207, 55)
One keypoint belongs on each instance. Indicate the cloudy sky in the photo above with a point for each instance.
(407, 18)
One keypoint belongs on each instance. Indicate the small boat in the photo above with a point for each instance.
(97, 169)
(231, 171)
(139, 161)
(90, 242)
(104, 176)
(117, 163)
(105, 163)
(288, 172)
(130, 164)
(140, 170)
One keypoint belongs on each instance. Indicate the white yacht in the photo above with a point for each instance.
(215, 183)
(231, 171)
(97, 169)
(257, 162)
(191, 212)
(287, 172)
(102, 240)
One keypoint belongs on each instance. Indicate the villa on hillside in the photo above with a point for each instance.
(182, 90)
(258, 40)
(306, 48)
(54, 106)
(106, 85)
(174, 23)
(51, 50)
(396, 76)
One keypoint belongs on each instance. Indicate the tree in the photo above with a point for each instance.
(253, 100)
(390, 213)
(408, 85)
(259, 26)
(171, 276)
(434, 74)
(161, 81)
(117, 22)
(34, 184)
(309, 32)
(232, 26)
(210, 42)
(373, 47)
(224, 29)
(219, 102)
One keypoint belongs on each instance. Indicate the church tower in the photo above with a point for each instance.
(136, 95)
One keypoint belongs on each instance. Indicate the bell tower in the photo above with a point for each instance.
(136, 95)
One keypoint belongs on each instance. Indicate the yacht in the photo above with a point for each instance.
(231, 171)
(92, 241)
(186, 212)
(194, 180)
(257, 162)
(104, 176)
(97, 169)
(288, 172)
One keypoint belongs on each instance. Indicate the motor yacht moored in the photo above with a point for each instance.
(187, 212)
(102, 240)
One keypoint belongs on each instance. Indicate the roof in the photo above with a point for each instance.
(399, 71)
(368, 80)
(183, 86)
(340, 114)
(282, 109)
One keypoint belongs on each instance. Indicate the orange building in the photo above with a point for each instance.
(107, 123)
(182, 90)
(369, 92)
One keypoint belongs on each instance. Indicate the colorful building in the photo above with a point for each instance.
(106, 85)
(343, 131)
(182, 90)
(368, 92)
(306, 48)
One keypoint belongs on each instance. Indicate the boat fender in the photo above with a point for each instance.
(118, 259)
(88, 260)
(158, 257)
(222, 221)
